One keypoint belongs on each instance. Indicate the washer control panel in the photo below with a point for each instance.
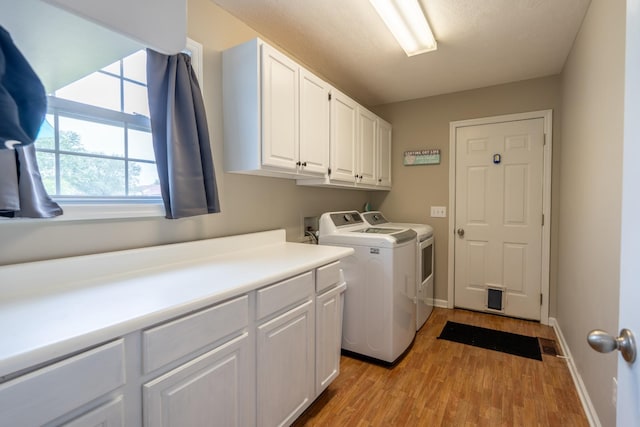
(346, 218)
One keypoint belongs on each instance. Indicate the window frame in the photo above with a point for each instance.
(77, 209)
(59, 107)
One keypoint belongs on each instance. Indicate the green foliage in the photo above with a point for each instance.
(82, 175)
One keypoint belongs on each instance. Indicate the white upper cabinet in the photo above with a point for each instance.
(281, 120)
(360, 148)
(344, 137)
(276, 114)
(384, 154)
(367, 147)
(314, 123)
(279, 110)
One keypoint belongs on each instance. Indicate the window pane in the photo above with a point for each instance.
(47, 166)
(143, 179)
(135, 99)
(91, 176)
(113, 68)
(47, 134)
(135, 66)
(141, 145)
(90, 137)
(96, 89)
(83, 163)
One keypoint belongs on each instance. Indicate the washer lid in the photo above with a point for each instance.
(367, 236)
(400, 236)
(374, 218)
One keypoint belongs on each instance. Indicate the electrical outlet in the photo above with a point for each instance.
(614, 392)
(438, 212)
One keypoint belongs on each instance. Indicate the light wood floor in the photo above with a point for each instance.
(442, 383)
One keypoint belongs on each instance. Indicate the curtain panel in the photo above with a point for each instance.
(23, 105)
(180, 137)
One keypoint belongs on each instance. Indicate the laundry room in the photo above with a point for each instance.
(521, 113)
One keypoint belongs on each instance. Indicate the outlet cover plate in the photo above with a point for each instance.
(438, 211)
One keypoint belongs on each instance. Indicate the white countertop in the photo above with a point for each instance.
(52, 308)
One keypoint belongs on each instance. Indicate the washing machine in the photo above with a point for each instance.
(379, 314)
(424, 262)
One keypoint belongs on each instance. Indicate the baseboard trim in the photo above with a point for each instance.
(440, 303)
(589, 410)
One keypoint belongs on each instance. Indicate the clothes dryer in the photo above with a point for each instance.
(424, 262)
(379, 310)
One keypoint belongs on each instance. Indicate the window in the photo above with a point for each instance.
(95, 144)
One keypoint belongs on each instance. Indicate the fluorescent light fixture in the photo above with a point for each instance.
(407, 23)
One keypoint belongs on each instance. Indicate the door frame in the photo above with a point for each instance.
(547, 116)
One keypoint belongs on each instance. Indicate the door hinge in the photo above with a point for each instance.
(329, 171)
(329, 97)
(543, 220)
(541, 299)
(544, 142)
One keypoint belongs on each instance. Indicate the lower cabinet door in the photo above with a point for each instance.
(285, 369)
(212, 389)
(328, 336)
(108, 415)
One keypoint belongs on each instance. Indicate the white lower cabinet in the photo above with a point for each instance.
(285, 366)
(211, 389)
(56, 392)
(328, 335)
(260, 358)
(110, 414)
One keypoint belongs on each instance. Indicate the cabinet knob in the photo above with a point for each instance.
(298, 163)
(304, 164)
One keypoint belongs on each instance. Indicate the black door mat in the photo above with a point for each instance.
(506, 342)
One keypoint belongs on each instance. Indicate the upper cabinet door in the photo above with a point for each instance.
(160, 25)
(279, 110)
(344, 131)
(384, 153)
(314, 124)
(367, 147)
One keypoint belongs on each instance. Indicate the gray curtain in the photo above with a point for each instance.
(180, 137)
(23, 104)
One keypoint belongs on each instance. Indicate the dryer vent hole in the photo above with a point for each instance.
(548, 347)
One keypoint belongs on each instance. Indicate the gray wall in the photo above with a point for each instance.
(590, 192)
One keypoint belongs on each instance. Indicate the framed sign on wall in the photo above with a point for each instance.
(422, 157)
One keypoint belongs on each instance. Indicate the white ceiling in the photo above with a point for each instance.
(480, 43)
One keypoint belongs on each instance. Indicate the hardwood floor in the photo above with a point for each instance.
(442, 383)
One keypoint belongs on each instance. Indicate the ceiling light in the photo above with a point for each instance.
(407, 23)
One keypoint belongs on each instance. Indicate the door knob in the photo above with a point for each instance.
(460, 232)
(605, 343)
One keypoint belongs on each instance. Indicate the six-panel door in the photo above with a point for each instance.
(499, 189)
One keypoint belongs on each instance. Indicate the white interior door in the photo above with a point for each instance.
(628, 409)
(498, 217)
